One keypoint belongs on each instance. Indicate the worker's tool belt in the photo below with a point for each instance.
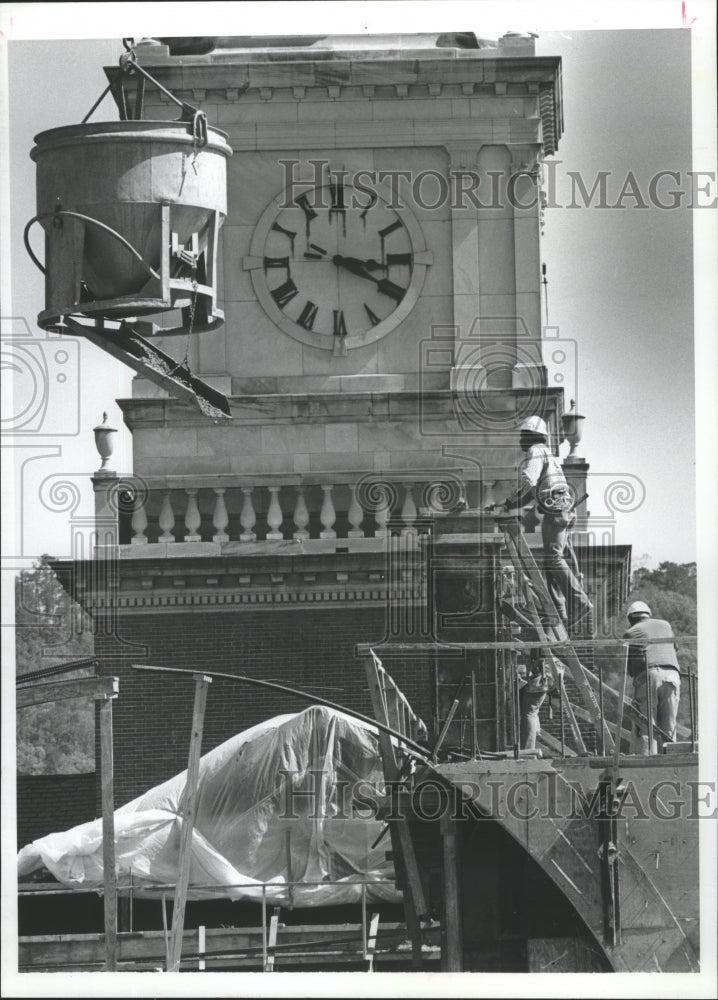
(544, 676)
(553, 493)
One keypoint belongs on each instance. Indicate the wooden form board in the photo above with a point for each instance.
(83, 687)
(189, 797)
(242, 947)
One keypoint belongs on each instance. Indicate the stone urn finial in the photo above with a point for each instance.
(572, 431)
(105, 443)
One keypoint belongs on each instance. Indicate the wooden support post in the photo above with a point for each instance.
(272, 945)
(602, 740)
(475, 749)
(402, 845)
(190, 801)
(445, 728)
(201, 947)
(567, 707)
(649, 707)
(692, 709)
(619, 720)
(363, 919)
(166, 932)
(108, 834)
(264, 927)
(370, 944)
(288, 855)
(166, 237)
(451, 932)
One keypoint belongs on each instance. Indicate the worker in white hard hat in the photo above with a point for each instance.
(654, 669)
(542, 479)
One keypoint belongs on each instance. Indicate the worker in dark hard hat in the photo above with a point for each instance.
(660, 662)
(541, 478)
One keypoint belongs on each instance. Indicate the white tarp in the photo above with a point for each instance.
(273, 802)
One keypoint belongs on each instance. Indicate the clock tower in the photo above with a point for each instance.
(380, 282)
(382, 236)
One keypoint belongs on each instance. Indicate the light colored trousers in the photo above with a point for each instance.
(665, 690)
(529, 725)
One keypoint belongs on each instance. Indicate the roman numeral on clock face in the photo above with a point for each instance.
(280, 229)
(270, 262)
(373, 318)
(398, 258)
(390, 229)
(336, 194)
(373, 198)
(303, 203)
(340, 326)
(285, 293)
(308, 315)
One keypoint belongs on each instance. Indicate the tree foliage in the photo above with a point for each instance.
(679, 578)
(50, 629)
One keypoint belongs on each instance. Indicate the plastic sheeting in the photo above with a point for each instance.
(274, 805)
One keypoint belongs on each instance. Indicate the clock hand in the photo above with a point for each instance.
(383, 285)
(351, 263)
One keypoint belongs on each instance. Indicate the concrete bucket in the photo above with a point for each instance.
(131, 212)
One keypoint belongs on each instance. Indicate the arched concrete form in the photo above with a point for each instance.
(553, 815)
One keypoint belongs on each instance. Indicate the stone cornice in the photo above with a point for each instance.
(152, 586)
(278, 408)
(231, 72)
(227, 79)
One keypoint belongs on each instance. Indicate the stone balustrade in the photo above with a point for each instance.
(244, 510)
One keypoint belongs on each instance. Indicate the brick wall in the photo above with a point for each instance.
(304, 647)
(47, 803)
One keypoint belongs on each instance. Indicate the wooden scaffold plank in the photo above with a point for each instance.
(202, 683)
(402, 846)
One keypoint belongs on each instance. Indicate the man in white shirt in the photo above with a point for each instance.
(541, 478)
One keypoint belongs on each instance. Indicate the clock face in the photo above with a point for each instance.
(337, 264)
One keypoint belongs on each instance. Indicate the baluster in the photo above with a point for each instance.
(328, 515)
(488, 497)
(274, 515)
(220, 519)
(408, 511)
(167, 518)
(139, 519)
(488, 491)
(301, 515)
(356, 516)
(192, 519)
(383, 513)
(247, 517)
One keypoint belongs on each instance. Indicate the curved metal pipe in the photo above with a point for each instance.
(93, 222)
(416, 748)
